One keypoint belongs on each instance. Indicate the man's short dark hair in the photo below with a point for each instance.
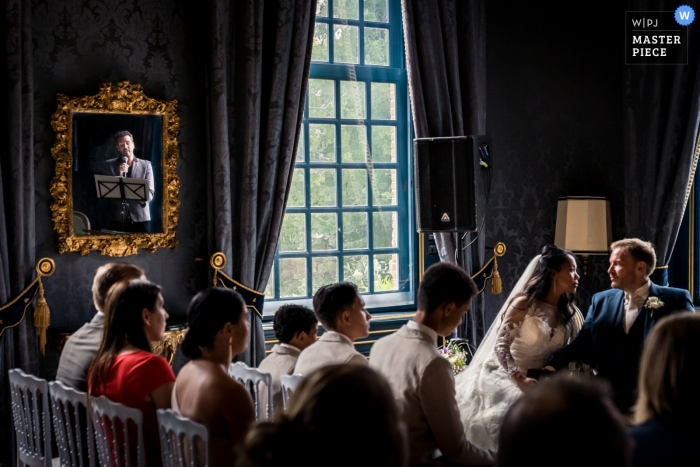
(121, 134)
(444, 283)
(291, 319)
(331, 300)
(564, 412)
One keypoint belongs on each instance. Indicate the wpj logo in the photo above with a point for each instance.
(657, 37)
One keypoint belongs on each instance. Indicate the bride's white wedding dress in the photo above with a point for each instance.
(485, 390)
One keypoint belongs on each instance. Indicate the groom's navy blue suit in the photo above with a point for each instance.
(603, 343)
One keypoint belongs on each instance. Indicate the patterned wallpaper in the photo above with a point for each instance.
(554, 103)
(80, 44)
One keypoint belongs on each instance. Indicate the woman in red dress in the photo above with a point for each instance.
(125, 369)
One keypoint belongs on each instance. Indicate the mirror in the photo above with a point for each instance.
(115, 153)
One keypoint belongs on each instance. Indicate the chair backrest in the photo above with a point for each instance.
(117, 438)
(32, 418)
(289, 384)
(183, 442)
(72, 425)
(253, 377)
(81, 223)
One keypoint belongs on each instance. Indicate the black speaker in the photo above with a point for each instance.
(447, 179)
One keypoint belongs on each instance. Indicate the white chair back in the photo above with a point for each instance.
(289, 384)
(72, 425)
(116, 437)
(32, 418)
(183, 442)
(253, 377)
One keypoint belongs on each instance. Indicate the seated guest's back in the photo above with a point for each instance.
(295, 327)
(341, 311)
(341, 416)
(422, 379)
(125, 369)
(668, 408)
(564, 421)
(204, 392)
(80, 350)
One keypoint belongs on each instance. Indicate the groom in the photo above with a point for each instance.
(620, 319)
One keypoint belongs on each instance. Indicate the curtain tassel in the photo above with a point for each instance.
(42, 318)
(496, 283)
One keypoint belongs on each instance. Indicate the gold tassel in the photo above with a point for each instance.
(496, 284)
(215, 277)
(42, 318)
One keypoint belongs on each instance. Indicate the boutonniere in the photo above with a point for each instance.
(653, 303)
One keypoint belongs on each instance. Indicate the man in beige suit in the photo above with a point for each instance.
(341, 311)
(295, 327)
(422, 379)
(82, 346)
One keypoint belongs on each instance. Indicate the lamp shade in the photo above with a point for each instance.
(583, 225)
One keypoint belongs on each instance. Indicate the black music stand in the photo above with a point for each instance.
(122, 188)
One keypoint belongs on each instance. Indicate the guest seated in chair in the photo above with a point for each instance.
(295, 327)
(668, 408)
(340, 416)
(341, 311)
(422, 379)
(125, 369)
(80, 350)
(564, 421)
(204, 392)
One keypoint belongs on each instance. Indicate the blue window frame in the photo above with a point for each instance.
(348, 217)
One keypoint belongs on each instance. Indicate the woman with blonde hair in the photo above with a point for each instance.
(668, 407)
(340, 415)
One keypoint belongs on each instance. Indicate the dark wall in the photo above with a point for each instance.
(80, 44)
(554, 110)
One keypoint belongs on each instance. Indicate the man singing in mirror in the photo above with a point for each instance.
(138, 214)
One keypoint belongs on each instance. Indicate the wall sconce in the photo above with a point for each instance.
(583, 226)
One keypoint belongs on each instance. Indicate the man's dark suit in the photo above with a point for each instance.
(603, 343)
(140, 212)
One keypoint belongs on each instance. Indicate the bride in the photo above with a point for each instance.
(534, 323)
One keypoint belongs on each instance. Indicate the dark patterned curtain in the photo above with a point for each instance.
(445, 42)
(18, 345)
(661, 120)
(260, 52)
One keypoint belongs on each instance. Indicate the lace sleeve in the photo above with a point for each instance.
(512, 320)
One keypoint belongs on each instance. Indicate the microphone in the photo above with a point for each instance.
(124, 161)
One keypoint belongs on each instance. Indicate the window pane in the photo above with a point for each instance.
(270, 289)
(324, 271)
(385, 229)
(354, 187)
(322, 98)
(324, 231)
(346, 44)
(293, 235)
(300, 145)
(355, 230)
(384, 187)
(352, 99)
(292, 277)
(386, 272)
(348, 9)
(376, 10)
(356, 270)
(323, 187)
(383, 100)
(383, 144)
(353, 143)
(322, 8)
(296, 191)
(376, 46)
(319, 52)
(321, 143)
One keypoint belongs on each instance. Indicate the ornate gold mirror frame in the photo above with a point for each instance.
(122, 102)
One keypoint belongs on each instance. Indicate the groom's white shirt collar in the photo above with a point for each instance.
(642, 292)
(422, 328)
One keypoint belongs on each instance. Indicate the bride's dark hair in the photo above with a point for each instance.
(541, 281)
